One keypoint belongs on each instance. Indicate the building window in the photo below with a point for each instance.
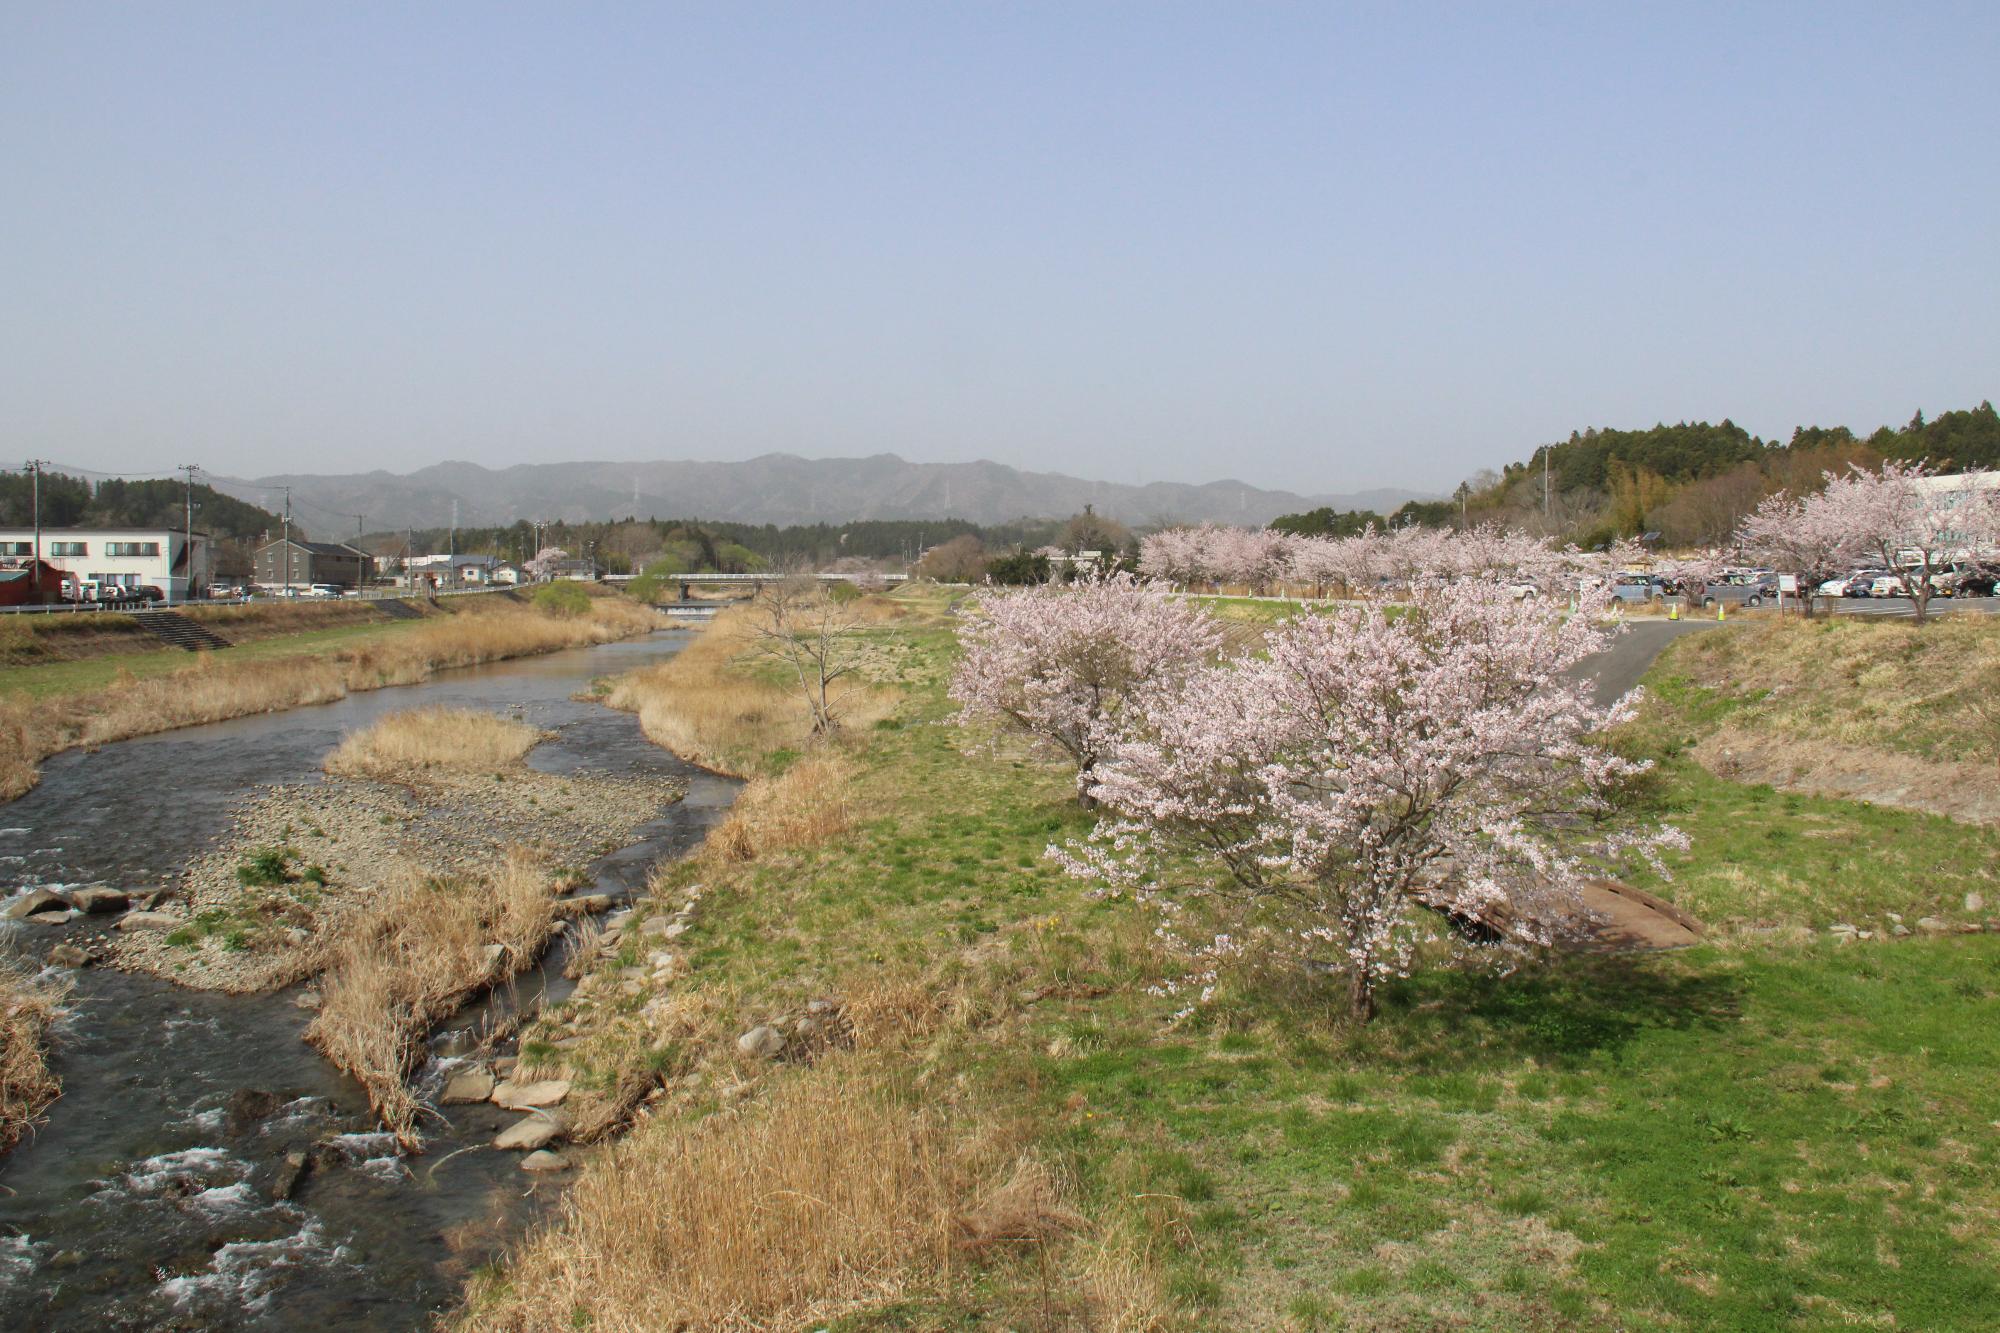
(132, 548)
(17, 548)
(69, 548)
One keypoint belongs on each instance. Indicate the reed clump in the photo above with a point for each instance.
(416, 740)
(28, 1005)
(410, 957)
(806, 805)
(215, 688)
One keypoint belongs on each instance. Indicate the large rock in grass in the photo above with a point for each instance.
(538, 1129)
(763, 1042)
(526, 1096)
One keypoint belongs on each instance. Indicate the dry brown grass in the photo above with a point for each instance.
(833, 1194)
(706, 708)
(461, 739)
(28, 1005)
(410, 957)
(807, 804)
(215, 689)
(1888, 712)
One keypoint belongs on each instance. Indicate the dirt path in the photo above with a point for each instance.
(1623, 919)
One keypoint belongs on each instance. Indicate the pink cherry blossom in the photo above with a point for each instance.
(1060, 663)
(1364, 778)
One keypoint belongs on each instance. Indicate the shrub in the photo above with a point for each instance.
(565, 598)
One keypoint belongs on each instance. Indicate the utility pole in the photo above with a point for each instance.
(288, 535)
(35, 466)
(454, 543)
(1546, 451)
(187, 540)
(360, 557)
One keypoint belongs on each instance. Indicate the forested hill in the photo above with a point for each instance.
(1689, 483)
(75, 502)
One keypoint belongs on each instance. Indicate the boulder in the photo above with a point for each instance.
(57, 918)
(290, 1173)
(467, 1086)
(493, 953)
(308, 999)
(1975, 902)
(70, 955)
(99, 900)
(543, 1160)
(537, 1129)
(656, 925)
(36, 902)
(584, 904)
(150, 921)
(1933, 925)
(525, 1096)
(763, 1042)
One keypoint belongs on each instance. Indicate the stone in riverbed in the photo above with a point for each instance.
(150, 921)
(584, 904)
(70, 955)
(543, 1160)
(36, 902)
(292, 1171)
(467, 1086)
(524, 1096)
(100, 900)
(538, 1129)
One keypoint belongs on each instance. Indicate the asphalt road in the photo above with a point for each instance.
(1618, 669)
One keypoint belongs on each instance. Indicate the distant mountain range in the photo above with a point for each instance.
(776, 488)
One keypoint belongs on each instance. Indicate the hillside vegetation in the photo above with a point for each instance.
(991, 1119)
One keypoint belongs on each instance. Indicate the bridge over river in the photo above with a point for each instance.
(686, 606)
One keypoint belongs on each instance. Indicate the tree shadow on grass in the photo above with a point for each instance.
(1562, 1013)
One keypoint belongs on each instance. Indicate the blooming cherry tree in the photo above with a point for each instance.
(1365, 778)
(1899, 517)
(546, 560)
(1061, 663)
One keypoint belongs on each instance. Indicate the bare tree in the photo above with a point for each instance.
(802, 624)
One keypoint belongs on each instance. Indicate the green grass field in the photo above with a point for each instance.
(95, 673)
(1775, 1130)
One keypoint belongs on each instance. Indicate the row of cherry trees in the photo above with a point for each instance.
(1896, 517)
(1261, 559)
(1346, 786)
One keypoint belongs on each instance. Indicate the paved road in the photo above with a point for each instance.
(1619, 668)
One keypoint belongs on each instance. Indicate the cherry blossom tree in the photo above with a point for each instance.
(543, 566)
(1904, 518)
(1364, 779)
(1060, 664)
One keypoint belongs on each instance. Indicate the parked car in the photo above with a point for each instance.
(1637, 588)
(323, 590)
(146, 592)
(1888, 585)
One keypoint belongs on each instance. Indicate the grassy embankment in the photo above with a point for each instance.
(1778, 1129)
(60, 705)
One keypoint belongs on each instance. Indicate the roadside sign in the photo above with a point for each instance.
(1788, 583)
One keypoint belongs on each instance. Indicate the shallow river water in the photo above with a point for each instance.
(145, 1201)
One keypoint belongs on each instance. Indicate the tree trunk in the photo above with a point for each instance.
(1361, 996)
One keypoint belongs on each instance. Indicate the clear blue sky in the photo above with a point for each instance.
(1313, 247)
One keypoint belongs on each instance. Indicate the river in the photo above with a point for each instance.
(145, 1201)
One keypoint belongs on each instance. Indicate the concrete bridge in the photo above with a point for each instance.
(685, 584)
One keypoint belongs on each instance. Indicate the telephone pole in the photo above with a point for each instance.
(454, 544)
(187, 541)
(35, 466)
(288, 535)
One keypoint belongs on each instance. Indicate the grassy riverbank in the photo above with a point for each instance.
(58, 706)
(1781, 1128)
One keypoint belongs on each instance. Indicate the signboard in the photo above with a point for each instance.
(1788, 583)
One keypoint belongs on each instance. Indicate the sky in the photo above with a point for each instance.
(1316, 248)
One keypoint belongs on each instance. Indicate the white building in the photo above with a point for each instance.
(1956, 488)
(163, 558)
